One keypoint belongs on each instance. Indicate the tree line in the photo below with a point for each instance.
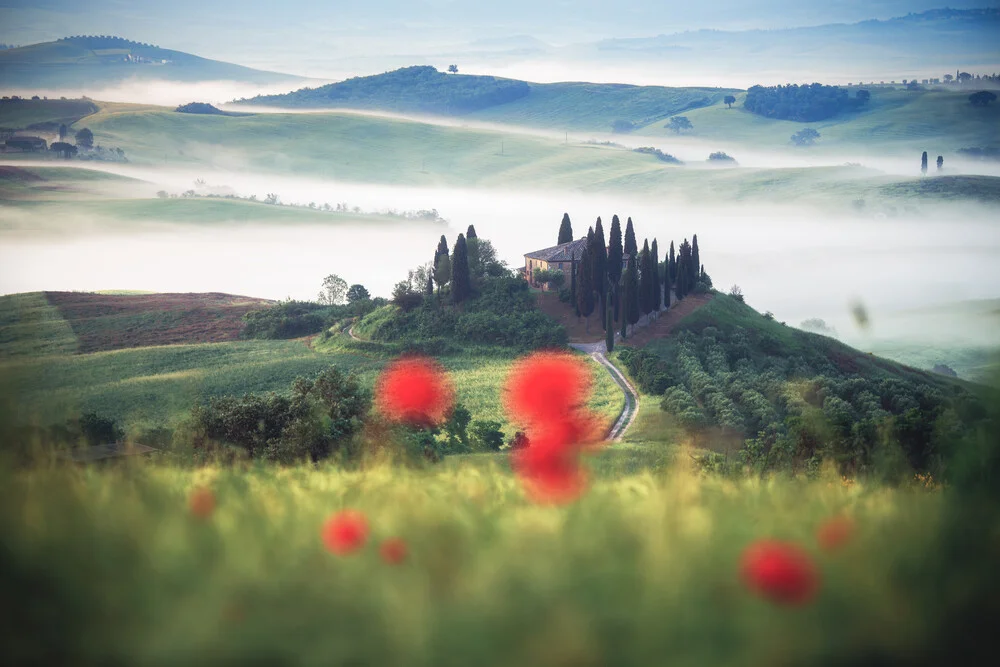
(624, 283)
(802, 103)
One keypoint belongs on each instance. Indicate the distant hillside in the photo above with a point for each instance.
(423, 89)
(88, 61)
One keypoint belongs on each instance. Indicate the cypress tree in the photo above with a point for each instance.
(695, 261)
(572, 287)
(591, 256)
(632, 305)
(565, 230)
(645, 280)
(923, 163)
(615, 262)
(609, 329)
(622, 301)
(600, 266)
(442, 249)
(673, 264)
(657, 286)
(585, 287)
(667, 282)
(470, 233)
(631, 249)
(940, 162)
(460, 284)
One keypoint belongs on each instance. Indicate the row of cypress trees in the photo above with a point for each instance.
(643, 286)
(454, 268)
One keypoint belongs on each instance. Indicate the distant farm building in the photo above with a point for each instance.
(561, 257)
(26, 144)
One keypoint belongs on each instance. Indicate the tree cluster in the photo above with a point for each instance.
(801, 103)
(105, 42)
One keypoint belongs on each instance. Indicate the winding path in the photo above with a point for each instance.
(597, 352)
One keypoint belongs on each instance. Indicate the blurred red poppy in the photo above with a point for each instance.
(202, 503)
(549, 467)
(835, 533)
(415, 391)
(546, 387)
(345, 532)
(781, 572)
(393, 550)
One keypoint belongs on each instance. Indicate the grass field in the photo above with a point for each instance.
(899, 120)
(23, 114)
(645, 568)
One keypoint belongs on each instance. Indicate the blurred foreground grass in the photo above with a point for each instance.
(107, 565)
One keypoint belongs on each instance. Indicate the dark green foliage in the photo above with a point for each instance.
(293, 319)
(632, 309)
(405, 296)
(695, 263)
(923, 162)
(622, 126)
(206, 109)
(720, 156)
(456, 430)
(470, 233)
(940, 162)
(805, 137)
(729, 101)
(97, 430)
(982, 98)
(486, 436)
(356, 293)
(572, 289)
(419, 88)
(862, 97)
(668, 283)
(461, 287)
(609, 329)
(658, 154)
(615, 251)
(565, 230)
(442, 249)
(313, 422)
(67, 150)
(672, 266)
(678, 123)
(85, 138)
(503, 313)
(645, 279)
(63, 131)
(685, 273)
(585, 284)
(630, 246)
(802, 103)
(657, 298)
(798, 395)
(600, 262)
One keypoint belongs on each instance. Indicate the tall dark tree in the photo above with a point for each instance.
(645, 280)
(940, 162)
(615, 262)
(600, 266)
(623, 301)
(609, 329)
(565, 230)
(657, 285)
(695, 261)
(632, 303)
(63, 131)
(470, 233)
(631, 248)
(461, 285)
(923, 163)
(585, 286)
(667, 282)
(672, 266)
(683, 285)
(572, 287)
(442, 249)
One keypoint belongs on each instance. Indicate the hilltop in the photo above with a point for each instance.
(87, 61)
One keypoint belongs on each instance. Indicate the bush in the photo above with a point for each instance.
(486, 435)
(719, 156)
(736, 293)
(291, 319)
(801, 103)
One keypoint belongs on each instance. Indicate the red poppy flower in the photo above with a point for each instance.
(415, 391)
(545, 387)
(834, 533)
(202, 503)
(549, 467)
(393, 550)
(345, 532)
(780, 571)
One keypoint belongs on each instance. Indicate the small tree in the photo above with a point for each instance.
(805, 137)
(405, 297)
(453, 69)
(948, 78)
(85, 138)
(461, 286)
(442, 272)
(729, 100)
(982, 98)
(863, 96)
(736, 293)
(678, 123)
(585, 287)
(67, 150)
(940, 162)
(356, 293)
(334, 290)
(565, 230)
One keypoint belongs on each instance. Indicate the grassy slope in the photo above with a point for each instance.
(30, 326)
(66, 64)
(938, 121)
(24, 113)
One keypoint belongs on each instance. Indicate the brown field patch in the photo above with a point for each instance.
(112, 321)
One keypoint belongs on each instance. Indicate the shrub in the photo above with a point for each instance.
(291, 319)
(719, 156)
(486, 435)
(736, 293)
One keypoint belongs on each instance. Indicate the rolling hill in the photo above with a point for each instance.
(82, 62)
(573, 106)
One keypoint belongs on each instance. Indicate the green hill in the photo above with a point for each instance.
(79, 62)
(742, 382)
(575, 106)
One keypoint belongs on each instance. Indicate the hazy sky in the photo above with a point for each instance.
(300, 35)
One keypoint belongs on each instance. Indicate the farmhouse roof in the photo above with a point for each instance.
(564, 252)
